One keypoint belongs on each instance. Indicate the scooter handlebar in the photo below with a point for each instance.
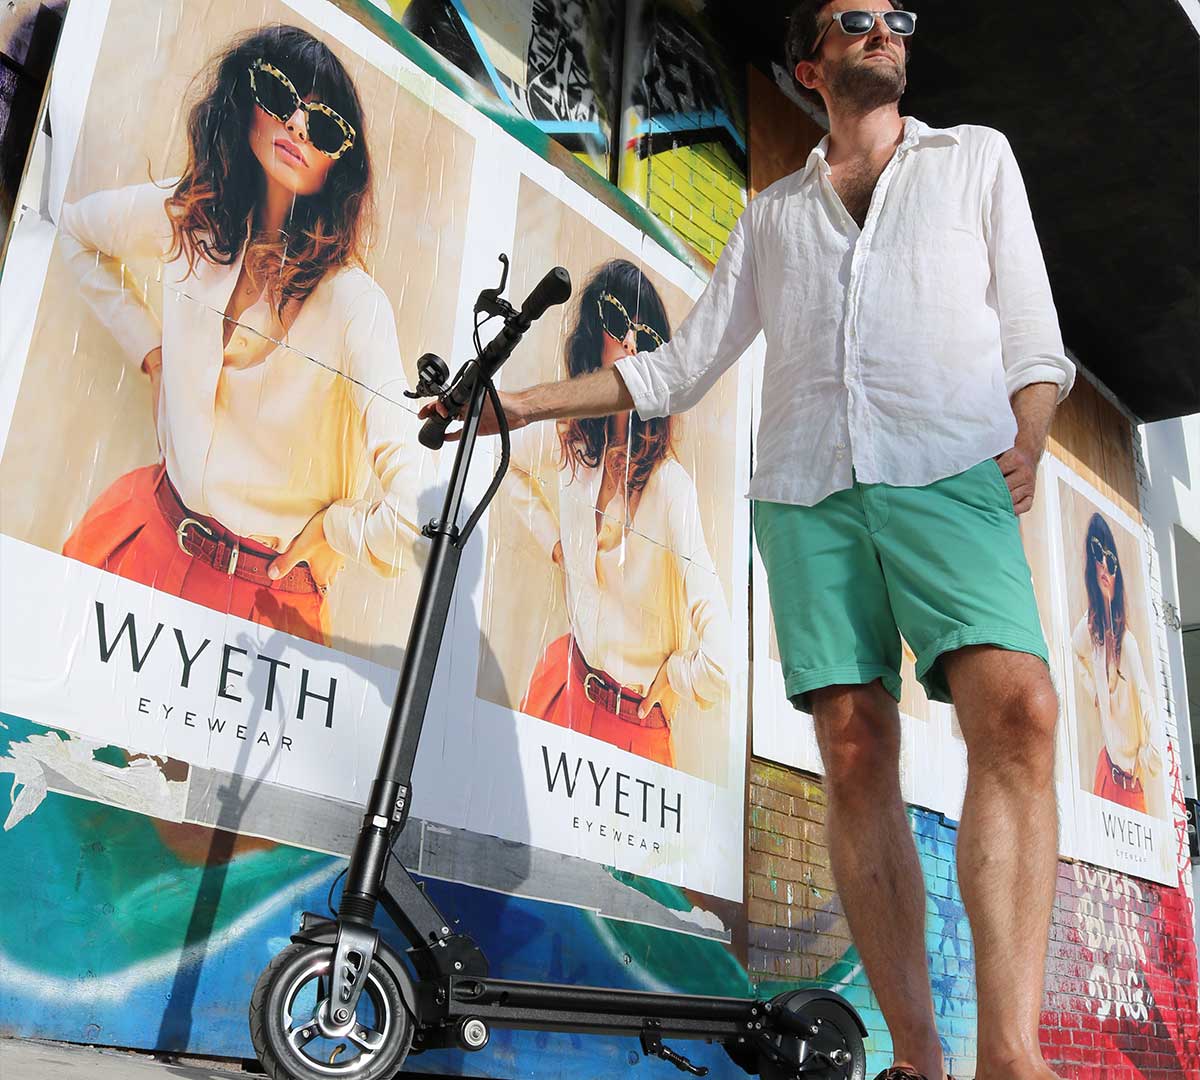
(433, 431)
(554, 288)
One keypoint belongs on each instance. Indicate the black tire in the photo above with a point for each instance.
(837, 1031)
(281, 1040)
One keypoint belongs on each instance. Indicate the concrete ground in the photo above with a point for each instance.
(29, 1059)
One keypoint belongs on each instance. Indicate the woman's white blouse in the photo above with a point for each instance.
(653, 596)
(260, 448)
(1128, 718)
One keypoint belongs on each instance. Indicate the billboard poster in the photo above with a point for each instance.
(1118, 757)
(212, 487)
(609, 607)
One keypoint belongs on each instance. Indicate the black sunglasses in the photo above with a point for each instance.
(617, 324)
(1102, 554)
(857, 23)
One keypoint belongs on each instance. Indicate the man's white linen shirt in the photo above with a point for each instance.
(892, 351)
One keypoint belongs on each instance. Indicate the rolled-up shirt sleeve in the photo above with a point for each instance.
(718, 329)
(1029, 331)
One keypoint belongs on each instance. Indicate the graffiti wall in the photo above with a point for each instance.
(641, 91)
(553, 62)
(1121, 992)
(160, 927)
(683, 141)
(185, 774)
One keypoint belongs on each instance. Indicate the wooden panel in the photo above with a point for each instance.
(1116, 441)
(781, 134)
(1096, 440)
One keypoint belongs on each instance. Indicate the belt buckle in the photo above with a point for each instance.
(587, 685)
(181, 528)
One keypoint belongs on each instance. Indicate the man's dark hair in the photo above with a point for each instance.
(803, 28)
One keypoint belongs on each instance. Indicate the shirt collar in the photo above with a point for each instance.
(916, 134)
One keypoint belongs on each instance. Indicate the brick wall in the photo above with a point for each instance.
(798, 931)
(1121, 979)
(697, 190)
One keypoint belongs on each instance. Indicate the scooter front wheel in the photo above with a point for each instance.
(294, 1034)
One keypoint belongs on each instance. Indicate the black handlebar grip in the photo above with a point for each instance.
(554, 288)
(433, 431)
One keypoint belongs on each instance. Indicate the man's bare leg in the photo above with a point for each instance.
(1007, 847)
(875, 863)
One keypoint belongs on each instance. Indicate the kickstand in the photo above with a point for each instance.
(652, 1046)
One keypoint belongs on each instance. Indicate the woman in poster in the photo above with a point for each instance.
(276, 368)
(1112, 677)
(649, 623)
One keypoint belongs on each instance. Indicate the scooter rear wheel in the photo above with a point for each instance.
(289, 1021)
(830, 1031)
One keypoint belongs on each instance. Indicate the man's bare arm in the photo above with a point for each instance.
(599, 393)
(1033, 406)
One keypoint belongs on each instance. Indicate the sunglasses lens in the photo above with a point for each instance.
(647, 342)
(615, 323)
(900, 22)
(273, 95)
(857, 22)
(1101, 554)
(324, 132)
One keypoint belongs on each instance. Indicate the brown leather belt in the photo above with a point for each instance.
(204, 539)
(612, 696)
(1126, 781)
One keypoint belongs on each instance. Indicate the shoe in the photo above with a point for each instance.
(902, 1072)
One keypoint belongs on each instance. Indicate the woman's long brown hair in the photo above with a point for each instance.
(587, 441)
(213, 205)
(1098, 610)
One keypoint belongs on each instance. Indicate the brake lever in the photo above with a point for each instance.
(490, 301)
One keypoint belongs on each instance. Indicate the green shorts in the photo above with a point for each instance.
(941, 564)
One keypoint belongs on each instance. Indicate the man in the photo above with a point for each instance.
(913, 366)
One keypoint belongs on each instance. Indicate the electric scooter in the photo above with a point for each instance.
(339, 1002)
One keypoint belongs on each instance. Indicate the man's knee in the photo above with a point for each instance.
(858, 733)
(1019, 730)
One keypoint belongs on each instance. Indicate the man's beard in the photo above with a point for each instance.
(864, 85)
